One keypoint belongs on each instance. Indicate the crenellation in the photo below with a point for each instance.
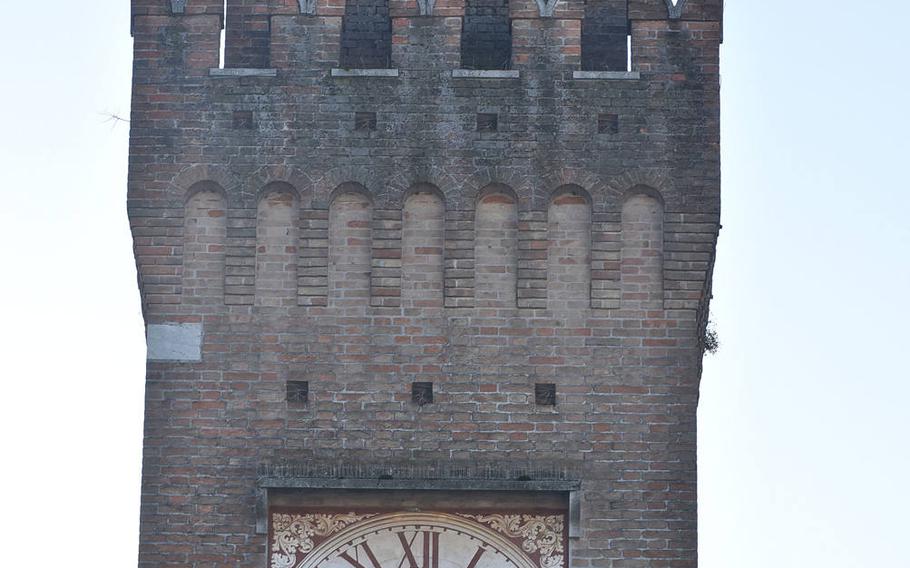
(695, 10)
(263, 35)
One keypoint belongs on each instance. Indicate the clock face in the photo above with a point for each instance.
(416, 540)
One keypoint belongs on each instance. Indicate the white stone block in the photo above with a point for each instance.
(174, 342)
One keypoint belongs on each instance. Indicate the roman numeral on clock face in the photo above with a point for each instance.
(355, 561)
(430, 549)
(419, 549)
(476, 558)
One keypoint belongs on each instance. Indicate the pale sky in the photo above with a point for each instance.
(803, 448)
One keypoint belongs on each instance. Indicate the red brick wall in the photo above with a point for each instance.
(548, 250)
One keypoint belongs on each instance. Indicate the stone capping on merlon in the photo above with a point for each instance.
(456, 73)
(608, 75)
(337, 72)
(486, 73)
(242, 72)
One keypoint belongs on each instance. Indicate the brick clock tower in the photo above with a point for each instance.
(425, 282)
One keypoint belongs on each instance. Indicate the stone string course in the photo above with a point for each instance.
(362, 260)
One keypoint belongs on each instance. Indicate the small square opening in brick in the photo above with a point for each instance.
(487, 122)
(365, 121)
(545, 394)
(422, 393)
(243, 119)
(608, 123)
(298, 392)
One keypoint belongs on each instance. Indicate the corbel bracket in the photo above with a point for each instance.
(675, 8)
(574, 514)
(547, 7)
(178, 6)
(307, 7)
(426, 7)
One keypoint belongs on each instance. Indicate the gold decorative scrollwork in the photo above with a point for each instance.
(293, 534)
(542, 534)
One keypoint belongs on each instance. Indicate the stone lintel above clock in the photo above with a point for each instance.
(426, 486)
(420, 484)
(453, 474)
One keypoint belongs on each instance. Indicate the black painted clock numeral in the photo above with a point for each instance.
(476, 559)
(430, 549)
(355, 562)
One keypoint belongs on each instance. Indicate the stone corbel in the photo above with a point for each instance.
(547, 7)
(178, 6)
(675, 7)
(262, 511)
(426, 7)
(574, 514)
(307, 7)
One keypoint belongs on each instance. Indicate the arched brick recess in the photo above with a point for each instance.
(642, 252)
(529, 196)
(350, 248)
(422, 245)
(204, 239)
(569, 249)
(657, 183)
(595, 187)
(605, 227)
(300, 182)
(276, 247)
(496, 248)
(327, 183)
(185, 183)
(309, 226)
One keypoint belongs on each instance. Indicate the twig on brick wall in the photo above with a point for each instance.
(113, 118)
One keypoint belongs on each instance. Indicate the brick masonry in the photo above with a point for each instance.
(361, 260)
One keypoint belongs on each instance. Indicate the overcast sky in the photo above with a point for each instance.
(803, 452)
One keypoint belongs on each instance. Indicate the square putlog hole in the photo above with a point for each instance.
(487, 122)
(608, 124)
(298, 392)
(243, 119)
(422, 393)
(365, 121)
(545, 394)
